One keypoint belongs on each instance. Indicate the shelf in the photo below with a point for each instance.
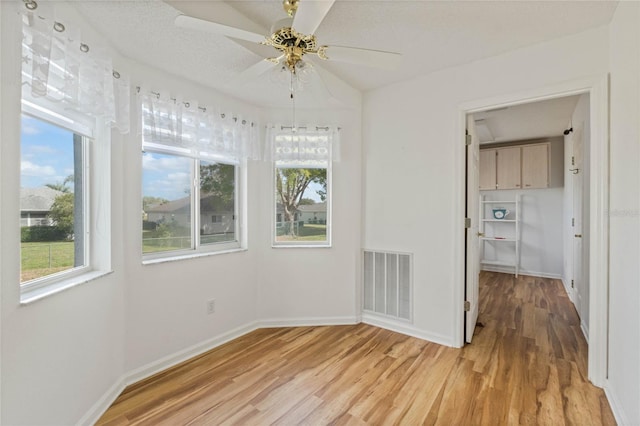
(497, 239)
(497, 263)
(499, 220)
(499, 202)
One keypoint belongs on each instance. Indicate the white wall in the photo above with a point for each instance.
(541, 233)
(304, 285)
(409, 142)
(166, 302)
(66, 356)
(623, 386)
(59, 354)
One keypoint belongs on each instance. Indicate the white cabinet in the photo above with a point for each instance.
(500, 237)
(508, 168)
(487, 169)
(515, 167)
(535, 166)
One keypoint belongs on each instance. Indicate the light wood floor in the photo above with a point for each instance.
(526, 365)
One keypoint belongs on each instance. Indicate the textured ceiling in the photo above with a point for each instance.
(431, 35)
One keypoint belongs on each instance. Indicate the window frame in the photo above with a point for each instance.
(274, 210)
(96, 158)
(198, 249)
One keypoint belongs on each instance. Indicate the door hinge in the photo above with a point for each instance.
(573, 221)
(467, 222)
(467, 140)
(571, 283)
(467, 306)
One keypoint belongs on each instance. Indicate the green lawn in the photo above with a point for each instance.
(308, 232)
(154, 245)
(45, 258)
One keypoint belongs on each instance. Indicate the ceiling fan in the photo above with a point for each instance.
(292, 40)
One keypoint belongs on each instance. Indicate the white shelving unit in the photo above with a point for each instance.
(500, 232)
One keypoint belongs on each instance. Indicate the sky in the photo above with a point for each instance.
(46, 153)
(47, 157)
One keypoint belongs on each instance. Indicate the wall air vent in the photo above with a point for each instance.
(387, 279)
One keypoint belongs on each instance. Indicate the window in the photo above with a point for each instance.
(301, 206)
(179, 216)
(53, 201)
(192, 166)
(302, 159)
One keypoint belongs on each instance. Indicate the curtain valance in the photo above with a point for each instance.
(59, 70)
(185, 128)
(304, 146)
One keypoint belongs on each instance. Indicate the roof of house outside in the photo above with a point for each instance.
(313, 208)
(37, 199)
(208, 202)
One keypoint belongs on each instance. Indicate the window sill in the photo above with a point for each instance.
(305, 246)
(33, 295)
(176, 258)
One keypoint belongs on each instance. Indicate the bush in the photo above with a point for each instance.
(148, 225)
(33, 234)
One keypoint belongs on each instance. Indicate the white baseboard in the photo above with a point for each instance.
(616, 407)
(585, 330)
(306, 322)
(99, 408)
(568, 289)
(154, 367)
(185, 354)
(405, 328)
(508, 270)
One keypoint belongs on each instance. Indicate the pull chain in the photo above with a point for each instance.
(293, 103)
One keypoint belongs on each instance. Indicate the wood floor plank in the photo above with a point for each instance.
(527, 365)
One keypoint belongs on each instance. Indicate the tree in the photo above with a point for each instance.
(148, 201)
(218, 180)
(62, 212)
(61, 186)
(306, 202)
(291, 185)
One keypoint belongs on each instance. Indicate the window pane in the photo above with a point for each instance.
(301, 207)
(217, 203)
(52, 219)
(166, 202)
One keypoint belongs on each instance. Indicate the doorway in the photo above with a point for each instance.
(585, 217)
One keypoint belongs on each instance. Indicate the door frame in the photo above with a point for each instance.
(598, 89)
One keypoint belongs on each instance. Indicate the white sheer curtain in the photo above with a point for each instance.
(186, 128)
(304, 147)
(59, 70)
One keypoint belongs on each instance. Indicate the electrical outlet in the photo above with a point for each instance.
(211, 306)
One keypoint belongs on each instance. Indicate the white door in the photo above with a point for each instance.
(472, 240)
(580, 290)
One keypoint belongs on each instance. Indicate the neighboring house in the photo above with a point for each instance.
(280, 214)
(216, 215)
(313, 213)
(35, 205)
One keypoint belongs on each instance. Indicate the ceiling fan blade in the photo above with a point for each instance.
(253, 72)
(367, 57)
(259, 49)
(310, 14)
(217, 11)
(192, 23)
(330, 83)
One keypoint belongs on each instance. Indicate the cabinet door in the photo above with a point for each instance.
(535, 166)
(487, 169)
(508, 168)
